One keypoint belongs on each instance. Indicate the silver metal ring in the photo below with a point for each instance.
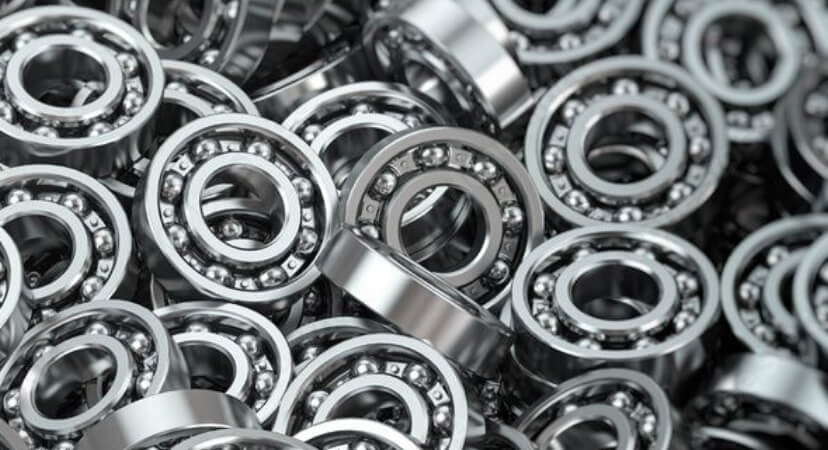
(165, 418)
(809, 299)
(674, 32)
(74, 234)
(15, 312)
(75, 350)
(229, 346)
(355, 433)
(189, 257)
(352, 262)
(433, 406)
(312, 339)
(449, 60)
(39, 121)
(754, 280)
(506, 224)
(627, 140)
(617, 296)
(632, 404)
(242, 439)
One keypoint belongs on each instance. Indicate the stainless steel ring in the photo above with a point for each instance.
(506, 224)
(809, 299)
(636, 407)
(228, 37)
(416, 300)
(356, 433)
(270, 165)
(359, 376)
(549, 40)
(242, 439)
(165, 418)
(627, 140)
(74, 235)
(39, 121)
(440, 49)
(15, 312)
(714, 438)
(775, 399)
(672, 31)
(76, 350)
(310, 340)
(617, 296)
(754, 280)
(232, 348)
(191, 91)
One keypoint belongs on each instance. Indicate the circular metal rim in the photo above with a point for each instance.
(174, 70)
(803, 281)
(155, 76)
(375, 430)
(242, 437)
(12, 301)
(567, 85)
(523, 318)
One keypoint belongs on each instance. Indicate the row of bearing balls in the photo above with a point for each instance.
(421, 238)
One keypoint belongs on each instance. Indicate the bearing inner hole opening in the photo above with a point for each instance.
(45, 248)
(210, 368)
(344, 151)
(595, 434)
(171, 21)
(422, 77)
(58, 76)
(62, 391)
(615, 292)
(246, 185)
(544, 6)
(622, 147)
(171, 117)
(456, 232)
(739, 51)
(380, 406)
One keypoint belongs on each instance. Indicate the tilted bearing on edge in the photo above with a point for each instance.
(776, 400)
(163, 419)
(617, 296)
(415, 301)
(479, 259)
(311, 340)
(189, 256)
(681, 31)
(381, 373)
(41, 120)
(810, 296)
(357, 434)
(242, 439)
(634, 407)
(112, 353)
(232, 349)
(441, 50)
(190, 92)
(626, 140)
(74, 235)
(756, 287)
(15, 312)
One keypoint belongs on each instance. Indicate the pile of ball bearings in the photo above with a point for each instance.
(413, 224)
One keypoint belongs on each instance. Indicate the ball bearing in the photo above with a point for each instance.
(311, 340)
(406, 378)
(242, 439)
(626, 140)
(356, 433)
(506, 224)
(618, 296)
(109, 353)
(272, 167)
(809, 299)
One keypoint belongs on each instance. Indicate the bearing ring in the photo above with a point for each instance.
(241, 439)
(167, 417)
(232, 348)
(228, 37)
(75, 350)
(636, 407)
(334, 434)
(665, 154)
(190, 91)
(424, 388)
(416, 301)
(654, 308)
(768, 397)
(449, 60)
(186, 254)
(754, 280)
(809, 299)
(14, 311)
(676, 31)
(39, 121)
(309, 341)
(506, 224)
(44, 203)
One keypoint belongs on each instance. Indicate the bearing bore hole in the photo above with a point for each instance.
(545, 6)
(449, 235)
(739, 51)
(210, 367)
(74, 382)
(615, 291)
(596, 434)
(64, 76)
(377, 405)
(344, 151)
(45, 247)
(622, 147)
(241, 189)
